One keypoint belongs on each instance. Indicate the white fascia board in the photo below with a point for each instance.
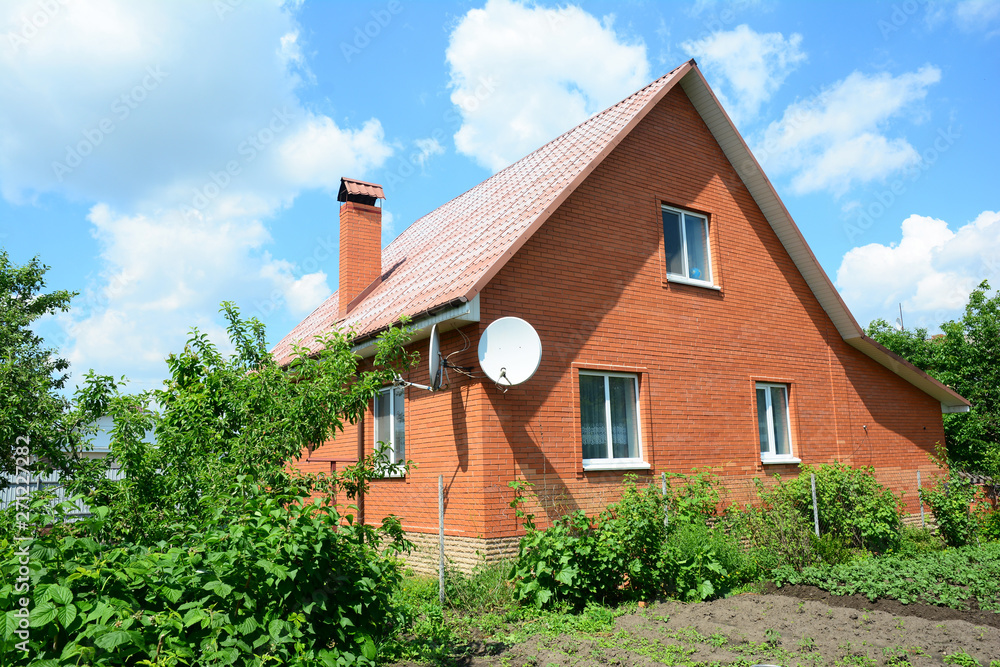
(448, 318)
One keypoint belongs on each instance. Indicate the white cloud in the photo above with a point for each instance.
(428, 148)
(974, 13)
(320, 152)
(138, 104)
(183, 129)
(968, 15)
(836, 139)
(521, 75)
(930, 271)
(751, 66)
(302, 293)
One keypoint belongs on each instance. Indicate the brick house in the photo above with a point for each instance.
(684, 322)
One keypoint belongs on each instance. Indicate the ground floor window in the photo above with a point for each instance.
(609, 419)
(773, 422)
(390, 423)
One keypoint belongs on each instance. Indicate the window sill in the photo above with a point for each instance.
(612, 464)
(784, 459)
(674, 278)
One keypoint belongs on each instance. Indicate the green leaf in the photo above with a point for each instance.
(43, 614)
(112, 640)
(368, 649)
(66, 615)
(276, 628)
(221, 589)
(69, 650)
(248, 625)
(171, 593)
(60, 594)
(10, 624)
(566, 575)
(194, 616)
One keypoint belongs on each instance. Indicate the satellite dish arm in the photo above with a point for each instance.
(400, 382)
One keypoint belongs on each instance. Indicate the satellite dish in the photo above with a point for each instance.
(510, 351)
(437, 367)
(434, 360)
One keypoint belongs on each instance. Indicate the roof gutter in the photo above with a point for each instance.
(452, 315)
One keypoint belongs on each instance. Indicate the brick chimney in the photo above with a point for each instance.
(360, 240)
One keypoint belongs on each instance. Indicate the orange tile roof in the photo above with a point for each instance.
(452, 252)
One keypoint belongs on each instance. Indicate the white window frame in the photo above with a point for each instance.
(769, 456)
(611, 463)
(685, 254)
(393, 394)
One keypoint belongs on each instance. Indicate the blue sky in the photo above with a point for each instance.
(165, 156)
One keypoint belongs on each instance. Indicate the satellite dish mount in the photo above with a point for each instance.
(437, 367)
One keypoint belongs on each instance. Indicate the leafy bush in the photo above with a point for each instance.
(211, 550)
(958, 506)
(702, 563)
(284, 583)
(852, 505)
(776, 532)
(915, 541)
(989, 525)
(694, 497)
(627, 552)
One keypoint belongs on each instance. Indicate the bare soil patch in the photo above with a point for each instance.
(798, 625)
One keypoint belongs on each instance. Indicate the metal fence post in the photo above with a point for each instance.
(663, 490)
(923, 524)
(815, 506)
(441, 538)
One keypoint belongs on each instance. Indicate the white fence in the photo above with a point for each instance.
(49, 482)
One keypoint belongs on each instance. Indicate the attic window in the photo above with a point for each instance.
(685, 240)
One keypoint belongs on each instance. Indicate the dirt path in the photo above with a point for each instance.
(801, 626)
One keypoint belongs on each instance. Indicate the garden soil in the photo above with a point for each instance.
(794, 625)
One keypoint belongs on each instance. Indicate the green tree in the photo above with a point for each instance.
(966, 358)
(219, 419)
(31, 374)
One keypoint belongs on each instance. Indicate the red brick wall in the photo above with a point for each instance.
(592, 282)
(443, 436)
(360, 249)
